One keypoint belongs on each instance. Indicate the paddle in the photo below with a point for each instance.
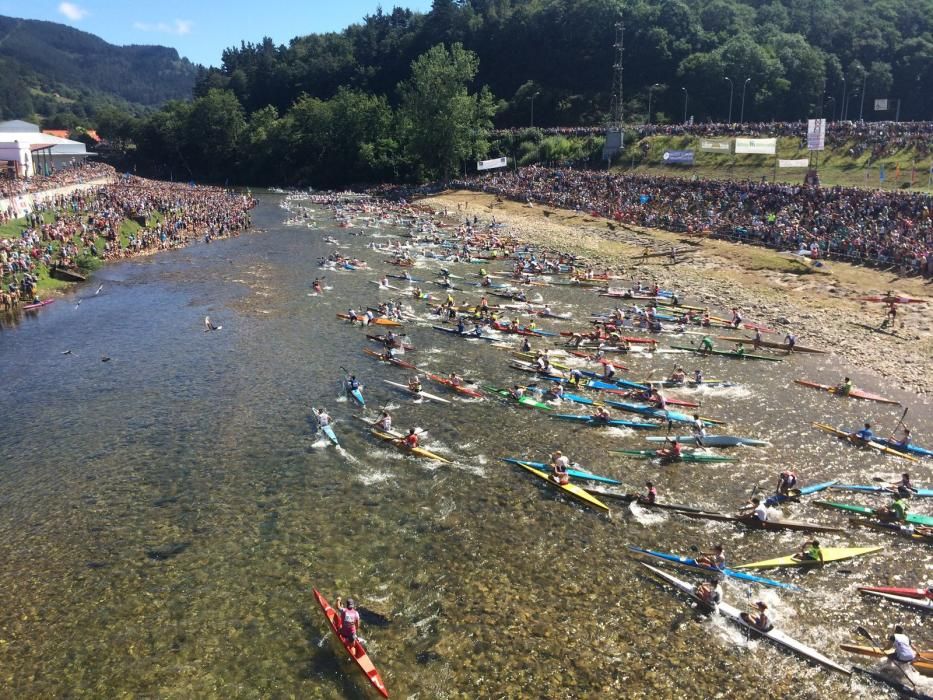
(862, 632)
(900, 422)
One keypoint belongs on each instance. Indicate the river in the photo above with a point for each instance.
(167, 505)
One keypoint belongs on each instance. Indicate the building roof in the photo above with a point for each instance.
(60, 133)
(19, 126)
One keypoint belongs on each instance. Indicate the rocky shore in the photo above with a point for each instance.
(818, 304)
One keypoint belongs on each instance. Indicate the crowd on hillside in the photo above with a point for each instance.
(879, 137)
(888, 229)
(79, 172)
(88, 222)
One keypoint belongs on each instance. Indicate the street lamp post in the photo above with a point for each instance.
(730, 97)
(842, 113)
(861, 109)
(742, 113)
(685, 104)
(650, 89)
(533, 109)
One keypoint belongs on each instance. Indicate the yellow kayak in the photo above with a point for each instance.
(398, 441)
(829, 554)
(569, 489)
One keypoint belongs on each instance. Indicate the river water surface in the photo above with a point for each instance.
(166, 512)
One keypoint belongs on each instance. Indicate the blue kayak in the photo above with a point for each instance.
(927, 493)
(804, 491)
(669, 415)
(575, 473)
(331, 435)
(912, 449)
(616, 422)
(357, 396)
(466, 336)
(732, 573)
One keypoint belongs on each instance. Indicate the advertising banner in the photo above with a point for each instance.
(816, 134)
(796, 163)
(881, 105)
(677, 157)
(491, 164)
(766, 147)
(716, 145)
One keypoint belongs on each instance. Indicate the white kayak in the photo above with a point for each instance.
(415, 394)
(921, 603)
(712, 440)
(735, 615)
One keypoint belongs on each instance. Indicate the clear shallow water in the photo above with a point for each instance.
(165, 513)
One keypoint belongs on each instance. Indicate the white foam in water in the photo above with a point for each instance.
(645, 516)
(373, 477)
(620, 432)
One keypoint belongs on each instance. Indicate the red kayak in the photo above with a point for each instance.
(906, 592)
(459, 388)
(37, 305)
(355, 650)
(853, 393)
(888, 299)
(395, 361)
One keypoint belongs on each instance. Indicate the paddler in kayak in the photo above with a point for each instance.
(896, 511)
(461, 326)
(715, 559)
(759, 620)
(698, 376)
(609, 371)
(323, 419)
(904, 652)
(517, 392)
(384, 423)
(754, 509)
(756, 341)
(810, 551)
(559, 466)
(455, 379)
(710, 592)
(706, 345)
(602, 415)
(904, 442)
(787, 480)
(525, 345)
(736, 317)
(671, 453)
(904, 487)
(650, 496)
(678, 376)
(863, 435)
(410, 441)
(316, 286)
(790, 340)
(349, 620)
(845, 388)
(739, 350)
(699, 429)
(414, 384)
(555, 393)
(542, 361)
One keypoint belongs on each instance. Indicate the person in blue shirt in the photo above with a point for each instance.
(865, 434)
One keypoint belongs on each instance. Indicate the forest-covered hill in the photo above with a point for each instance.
(47, 68)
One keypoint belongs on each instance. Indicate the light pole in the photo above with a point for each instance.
(685, 104)
(742, 113)
(849, 102)
(842, 113)
(730, 97)
(861, 109)
(649, 100)
(533, 109)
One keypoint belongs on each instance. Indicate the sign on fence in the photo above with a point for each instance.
(767, 147)
(677, 158)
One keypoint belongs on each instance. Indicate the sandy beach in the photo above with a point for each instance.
(788, 293)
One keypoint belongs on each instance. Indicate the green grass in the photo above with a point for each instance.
(836, 166)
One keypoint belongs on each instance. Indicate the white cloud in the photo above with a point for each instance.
(72, 11)
(179, 26)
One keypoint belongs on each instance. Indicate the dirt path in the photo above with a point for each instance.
(818, 304)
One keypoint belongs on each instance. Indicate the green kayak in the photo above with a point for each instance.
(524, 400)
(727, 353)
(914, 518)
(684, 457)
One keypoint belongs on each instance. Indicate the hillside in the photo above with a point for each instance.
(47, 67)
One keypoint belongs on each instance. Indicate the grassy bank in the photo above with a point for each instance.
(86, 260)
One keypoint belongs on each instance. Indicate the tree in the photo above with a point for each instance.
(442, 122)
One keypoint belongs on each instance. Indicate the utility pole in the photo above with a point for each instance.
(861, 109)
(685, 103)
(742, 115)
(730, 97)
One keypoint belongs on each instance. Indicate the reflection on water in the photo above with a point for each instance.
(165, 513)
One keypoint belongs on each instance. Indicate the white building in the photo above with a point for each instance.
(25, 151)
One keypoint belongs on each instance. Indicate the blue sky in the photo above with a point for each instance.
(202, 29)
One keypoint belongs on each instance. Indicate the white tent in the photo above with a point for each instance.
(42, 151)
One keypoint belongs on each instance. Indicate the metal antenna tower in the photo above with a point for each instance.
(615, 109)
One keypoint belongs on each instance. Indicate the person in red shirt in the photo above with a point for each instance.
(349, 620)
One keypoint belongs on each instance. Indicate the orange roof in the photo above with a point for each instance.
(93, 134)
(60, 133)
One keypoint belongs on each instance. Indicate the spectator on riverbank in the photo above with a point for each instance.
(882, 228)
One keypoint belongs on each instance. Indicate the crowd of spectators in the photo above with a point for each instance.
(881, 138)
(876, 227)
(87, 222)
(80, 172)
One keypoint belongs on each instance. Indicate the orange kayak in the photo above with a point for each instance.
(355, 650)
